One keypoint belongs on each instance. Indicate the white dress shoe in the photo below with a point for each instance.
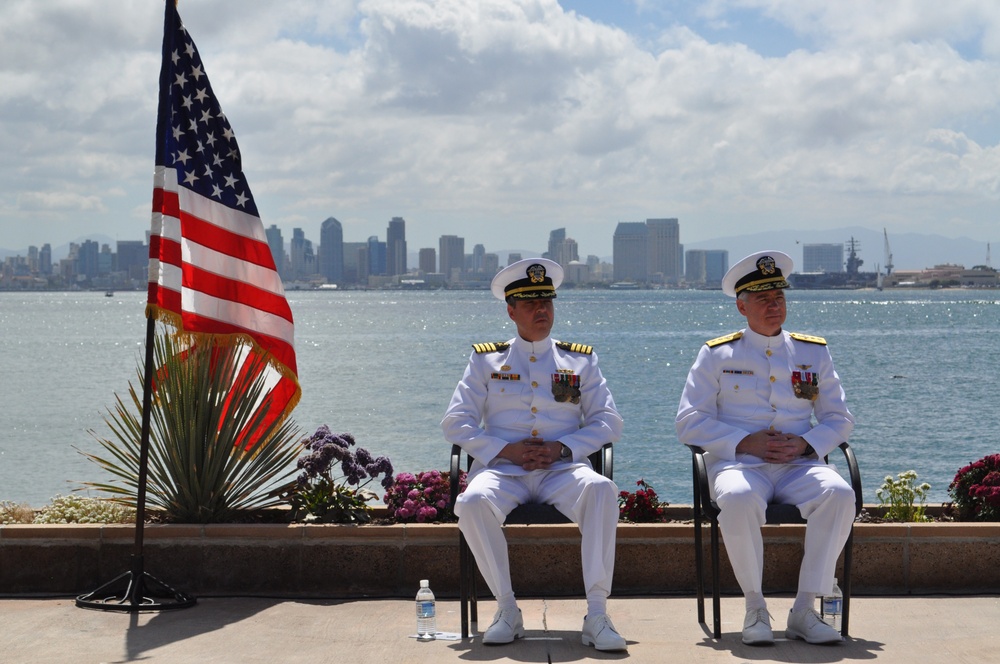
(598, 631)
(807, 625)
(507, 625)
(757, 628)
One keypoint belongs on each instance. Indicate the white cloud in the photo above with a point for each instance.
(502, 119)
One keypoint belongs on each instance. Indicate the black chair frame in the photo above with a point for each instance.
(528, 513)
(705, 509)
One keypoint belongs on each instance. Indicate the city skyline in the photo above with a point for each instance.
(649, 252)
(515, 117)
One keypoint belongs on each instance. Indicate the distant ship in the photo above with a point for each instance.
(852, 278)
(624, 285)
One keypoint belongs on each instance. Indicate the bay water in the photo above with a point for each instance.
(919, 368)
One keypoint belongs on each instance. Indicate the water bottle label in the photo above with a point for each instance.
(425, 609)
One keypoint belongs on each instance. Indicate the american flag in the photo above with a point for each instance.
(211, 271)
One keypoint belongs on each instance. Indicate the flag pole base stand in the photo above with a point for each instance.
(135, 590)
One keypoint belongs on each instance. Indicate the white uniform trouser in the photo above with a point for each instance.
(587, 498)
(823, 497)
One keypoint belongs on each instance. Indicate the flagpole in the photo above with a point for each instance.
(135, 590)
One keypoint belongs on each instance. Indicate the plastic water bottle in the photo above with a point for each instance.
(833, 606)
(426, 611)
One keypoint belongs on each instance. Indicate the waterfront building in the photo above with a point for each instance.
(355, 262)
(665, 257)
(427, 260)
(451, 256)
(86, 259)
(716, 266)
(556, 238)
(133, 259)
(277, 245)
(45, 259)
(491, 265)
(576, 273)
(476, 262)
(695, 273)
(395, 247)
(630, 252)
(565, 252)
(376, 257)
(823, 258)
(302, 263)
(705, 267)
(331, 251)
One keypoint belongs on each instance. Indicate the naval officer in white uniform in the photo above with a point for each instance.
(530, 411)
(767, 406)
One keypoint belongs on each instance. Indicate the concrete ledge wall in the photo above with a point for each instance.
(388, 561)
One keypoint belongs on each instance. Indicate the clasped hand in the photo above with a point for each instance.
(533, 453)
(773, 446)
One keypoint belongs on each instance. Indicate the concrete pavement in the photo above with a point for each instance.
(959, 630)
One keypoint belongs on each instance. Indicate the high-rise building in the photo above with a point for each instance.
(302, 259)
(630, 251)
(45, 259)
(331, 251)
(428, 260)
(694, 267)
(716, 266)
(87, 259)
(491, 265)
(355, 262)
(395, 247)
(823, 258)
(564, 252)
(478, 252)
(556, 238)
(663, 262)
(277, 245)
(133, 258)
(513, 257)
(451, 256)
(376, 256)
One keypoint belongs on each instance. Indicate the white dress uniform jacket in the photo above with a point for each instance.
(747, 382)
(507, 395)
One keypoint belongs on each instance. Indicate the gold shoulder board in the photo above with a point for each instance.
(718, 341)
(808, 338)
(491, 347)
(575, 348)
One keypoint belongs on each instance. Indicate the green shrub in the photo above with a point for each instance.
(81, 509)
(11, 513)
(214, 455)
(898, 496)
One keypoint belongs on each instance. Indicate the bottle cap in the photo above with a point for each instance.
(424, 583)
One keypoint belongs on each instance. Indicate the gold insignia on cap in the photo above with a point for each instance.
(766, 265)
(536, 273)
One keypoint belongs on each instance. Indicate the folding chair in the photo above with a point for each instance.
(777, 513)
(528, 513)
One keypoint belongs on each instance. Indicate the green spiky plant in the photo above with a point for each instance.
(203, 467)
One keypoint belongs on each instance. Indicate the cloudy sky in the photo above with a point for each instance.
(499, 120)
